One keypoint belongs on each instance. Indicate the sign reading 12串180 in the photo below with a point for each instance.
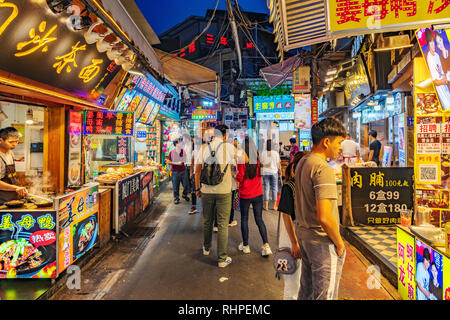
(379, 194)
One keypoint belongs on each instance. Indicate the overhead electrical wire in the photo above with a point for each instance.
(204, 30)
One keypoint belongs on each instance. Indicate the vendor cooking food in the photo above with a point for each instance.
(9, 190)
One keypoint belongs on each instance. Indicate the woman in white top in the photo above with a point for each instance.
(271, 169)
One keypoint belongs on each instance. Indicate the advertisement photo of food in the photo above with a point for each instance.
(84, 235)
(427, 103)
(20, 259)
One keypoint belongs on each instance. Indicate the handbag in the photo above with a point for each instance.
(283, 261)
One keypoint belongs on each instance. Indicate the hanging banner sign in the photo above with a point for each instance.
(370, 16)
(314, 111)
(301, 79)
(302, 111)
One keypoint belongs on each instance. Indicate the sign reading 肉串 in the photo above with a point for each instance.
(369, 16)
(379, 194)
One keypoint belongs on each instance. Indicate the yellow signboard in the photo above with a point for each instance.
(372, 15)
(406, 265)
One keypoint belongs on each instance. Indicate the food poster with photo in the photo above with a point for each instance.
(435, 48)
(78, 225)
(129, 200)
(406, 265)
(75, 149)
(302, 111)
(428, 273)
(432, 146)
(146, 189)
(28, 244)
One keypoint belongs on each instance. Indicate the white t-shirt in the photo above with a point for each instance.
(423, 278)
(437, 73)
(225, 154)
(270, 161)
(349, 150)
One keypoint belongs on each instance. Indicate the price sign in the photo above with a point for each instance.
(379, 194)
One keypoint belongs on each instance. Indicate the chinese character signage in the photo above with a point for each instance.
(379, 194)
(275, 116)
(108, 122)
(301, 79)
(314, 111)
(78, 225)
(150, 87)
(38, 45)
(273, 104)
(129, 201)
(203, 114)
(303, 111)
(28, 244)
(370, 16)
(406, 265)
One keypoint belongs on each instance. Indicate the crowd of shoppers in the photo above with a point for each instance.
(226, 176)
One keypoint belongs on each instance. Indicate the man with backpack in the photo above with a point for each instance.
(213, 183)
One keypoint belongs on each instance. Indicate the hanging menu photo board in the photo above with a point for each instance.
(379, 194)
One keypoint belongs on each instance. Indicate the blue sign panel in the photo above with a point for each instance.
(273, 104)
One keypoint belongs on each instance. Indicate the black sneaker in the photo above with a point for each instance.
(177, 201)
(186, 198)
(193, 210)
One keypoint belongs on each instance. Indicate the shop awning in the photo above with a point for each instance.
(126, 13)
(298, 23)
(181, 72)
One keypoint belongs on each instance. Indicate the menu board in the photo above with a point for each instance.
(109, 122)
(78, 225)
(28, 244)
(129, 200)
(379, 194)
(302, 111)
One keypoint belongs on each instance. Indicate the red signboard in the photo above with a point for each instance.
(109, 122)
(314, 111)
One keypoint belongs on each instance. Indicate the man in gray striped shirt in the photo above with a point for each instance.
(317, 226)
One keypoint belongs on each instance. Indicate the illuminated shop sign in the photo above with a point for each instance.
(271, 104)
(108, 122)
(38, 45)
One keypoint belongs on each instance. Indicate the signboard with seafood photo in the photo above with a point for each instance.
(78, 224)
(28, 244)
(129, 200)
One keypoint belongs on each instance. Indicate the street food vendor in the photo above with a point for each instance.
(9, 190)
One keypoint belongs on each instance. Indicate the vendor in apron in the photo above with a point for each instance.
(9, 190)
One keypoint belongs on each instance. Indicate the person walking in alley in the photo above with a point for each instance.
(234, 190)
(294, 149)
(213, 173)
(350, 151)
(287, 209)
(317, 217)
(271, 170)
(375, 148)
(251, 192)
(177, 159)
(197, 142)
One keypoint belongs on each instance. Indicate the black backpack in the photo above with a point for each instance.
(211, 173)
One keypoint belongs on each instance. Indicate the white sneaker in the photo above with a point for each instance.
(233, 223)
(245, 249)
(266, 251)
(216, 229)
(225, 263)
(205, 252)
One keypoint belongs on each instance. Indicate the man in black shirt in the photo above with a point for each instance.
(375, 147)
